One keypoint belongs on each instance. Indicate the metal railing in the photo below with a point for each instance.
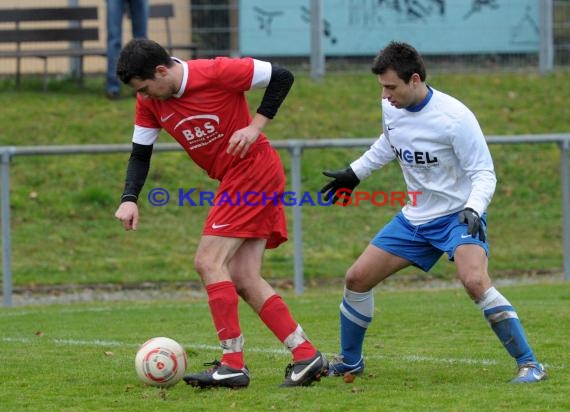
(295, 148)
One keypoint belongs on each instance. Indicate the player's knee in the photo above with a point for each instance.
(476, 286)
(204, 265)
(356, 280)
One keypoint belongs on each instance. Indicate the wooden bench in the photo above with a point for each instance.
(166, 11)
(63, 25)
(70, 26)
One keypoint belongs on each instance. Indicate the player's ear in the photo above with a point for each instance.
(160, 70)
(415, 80)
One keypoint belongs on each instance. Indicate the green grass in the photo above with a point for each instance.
(426, 350)
(63, 230)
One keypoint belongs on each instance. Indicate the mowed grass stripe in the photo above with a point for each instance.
(425, 350)
(216, 348)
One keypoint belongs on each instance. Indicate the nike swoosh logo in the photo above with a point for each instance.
(537, 377)
(218, 377)
(391, 128)
(465, 236)
(165, 118)
(297, 376)
(214, 226)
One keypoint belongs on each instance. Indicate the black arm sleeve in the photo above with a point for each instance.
(276, 91)
(137, 170)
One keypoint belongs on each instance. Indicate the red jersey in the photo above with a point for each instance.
(204, 114)
(209, 107)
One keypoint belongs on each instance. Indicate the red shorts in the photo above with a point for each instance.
(248, 201)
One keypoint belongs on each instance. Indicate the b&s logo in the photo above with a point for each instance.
(201, 130)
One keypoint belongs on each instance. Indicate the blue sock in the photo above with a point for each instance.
(505, 322)
(356, 312)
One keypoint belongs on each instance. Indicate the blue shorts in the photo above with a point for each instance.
(424, 244)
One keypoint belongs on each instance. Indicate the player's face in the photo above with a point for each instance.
(399, 93)
(159, 87)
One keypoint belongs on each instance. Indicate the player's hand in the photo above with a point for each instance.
(242, 139)
(473, 221)
(128, 214)
(344, 182)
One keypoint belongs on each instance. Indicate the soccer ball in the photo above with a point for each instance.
(161, 362)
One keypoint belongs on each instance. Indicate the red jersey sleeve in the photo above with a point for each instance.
(145, 113)
(234, 74)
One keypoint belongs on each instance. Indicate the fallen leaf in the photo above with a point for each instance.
(348, 377)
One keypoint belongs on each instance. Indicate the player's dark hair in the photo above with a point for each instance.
(139, 58)
(402, 58)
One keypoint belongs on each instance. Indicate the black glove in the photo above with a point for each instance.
(344, 180)
(473, 221)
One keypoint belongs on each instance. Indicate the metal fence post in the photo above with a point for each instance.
(317, 52)
(299, 276)
(546, 51)
(5, 158)
(565, 181)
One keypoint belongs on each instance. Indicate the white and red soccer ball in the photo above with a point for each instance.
(161, 362)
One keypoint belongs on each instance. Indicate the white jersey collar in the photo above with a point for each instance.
(184, 64)
(419, 106)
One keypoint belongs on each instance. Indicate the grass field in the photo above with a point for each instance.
(63, 230)
(427, 350)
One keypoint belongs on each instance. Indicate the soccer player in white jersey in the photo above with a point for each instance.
(443, 154)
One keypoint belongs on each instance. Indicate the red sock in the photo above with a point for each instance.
(223, 301)
(275, 314)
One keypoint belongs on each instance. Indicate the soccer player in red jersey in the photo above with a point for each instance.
(202, 104)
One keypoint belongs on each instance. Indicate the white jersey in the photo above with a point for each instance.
(442, 152)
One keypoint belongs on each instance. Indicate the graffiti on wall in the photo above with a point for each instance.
(362, 27)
